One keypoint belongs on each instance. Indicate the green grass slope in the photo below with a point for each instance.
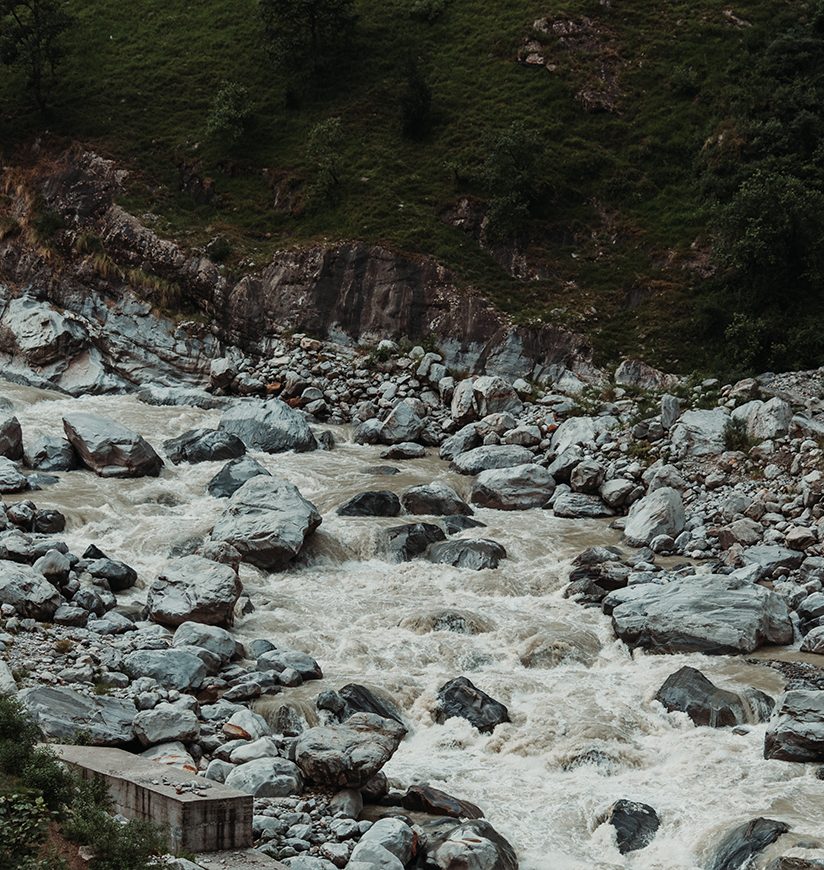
(617, 244)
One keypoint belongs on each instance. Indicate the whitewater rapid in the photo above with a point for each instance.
(585, 730)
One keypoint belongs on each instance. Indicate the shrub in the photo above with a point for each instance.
(230, 113)
(323, 149)
(736, 438)
(24, 819)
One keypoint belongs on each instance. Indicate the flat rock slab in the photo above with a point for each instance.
(199, 814)
(250, 858)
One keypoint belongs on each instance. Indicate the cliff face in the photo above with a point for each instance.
(347, 291)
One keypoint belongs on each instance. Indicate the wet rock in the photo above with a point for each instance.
(109, 449)
(11, 480)
(118, 575)
(193, 589)
(376, 503)
(267, 521)
(689, 691)
(426, 799)
(474, 844)
(465, 439)
(712, 614)
(402, 425)
(11, 436)
(64, 714)
(459, 621)
(459, 697)
(270, 426)
(360, 699)
(203, 445)
(348, 755)
(404, 450)
(741, 844)
(660, 513)
(635, 824)
(279, 660)
(233, 475)
(434, 499)
(266, 777)
(577, 505)
(456, 523)
(172, 668)
(518, 488)
(491, 456)
(165, 723)
(403, 543)
(798, 732)
(51, 453)
(28, 591)
(476, 554)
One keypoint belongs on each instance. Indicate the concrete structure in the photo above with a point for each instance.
(199, 815)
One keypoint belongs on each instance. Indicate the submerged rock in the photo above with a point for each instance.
(741, 844)
(376, 503)
(460, 697)
(403, 543)
(110, 449)
(635, 824)
(203, 445)
(476, 554)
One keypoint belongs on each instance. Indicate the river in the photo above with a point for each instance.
(585, 730)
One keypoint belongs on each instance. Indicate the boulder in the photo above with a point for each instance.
(360, 699)
(172, 668)
(28, 591)
(404, 543)
(712, 614)
(635, 824)
(474, 845)
(393, 835)
(700, 432)
(434, 499)
(376, 503)
(493, 394)
(279, 660)
(51, 453)
(349, 755)
(217, 641)
(11, 480)
(587, 476)
(771, 557)
(513, 489)
(233, 475)
(765, 420)
(659, 513)
(402, 424)
(798, 732)
(578, 505)
(11, 436)
(579, 430)
(110, 449)
(270, 426)
(194, 589)
(463, 408)
(118, 575)
(267, 521)
(637, 375)
(491, 456)
(64, 714)
(459, 697)
(266, 777)
(172, 754)
(689, 691)
(165, 723)
(426, 799)
(203, 445)
(465, 439)
(404, 450)
(476, 554)
(739, 846)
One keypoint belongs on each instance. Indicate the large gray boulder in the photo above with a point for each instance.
(711, 614)
(349, 755)
(51, 453)
(461, 697)
(580, 430)
(476, 554)
(689, 691)
(233, 475)
(637, 375)
(798, 732)
(64, 714)
(765, 420)
(434, 499)
(217, 641)
(194, 589)
(473, 844)
(738, 847)
(267, 521)
(165, 723)
(11, 436)
(700, 432)
(28, 591)
(491, 456)
(110, 449)
(271, 426)
(11, 479)
(513, 489)
(203, 445)
(493, 395)
(172, 668)
(266, 777)
(659, 513)
(402, 424)
(579, 506)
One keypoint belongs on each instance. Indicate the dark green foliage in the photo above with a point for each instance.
(305, 35)
(736, 438)
(24, 819)
(416, 103)
(31, 37)
(511, 174)
(323, 150)
(230, 113)
(427, 10)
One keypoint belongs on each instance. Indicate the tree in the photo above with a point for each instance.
(230, 113)
(416, 103)
(323, 149)
(31, 34)
(303, 34)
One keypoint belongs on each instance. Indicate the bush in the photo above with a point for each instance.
(24, 820)
(684, 81)
(323, 149)
(736, 438)
(416, 104)
(230, 113)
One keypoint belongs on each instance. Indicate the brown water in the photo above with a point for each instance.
(585, 729)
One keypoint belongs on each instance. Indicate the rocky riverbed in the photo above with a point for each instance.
(437, 621)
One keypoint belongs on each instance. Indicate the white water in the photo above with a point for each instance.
(345, 606)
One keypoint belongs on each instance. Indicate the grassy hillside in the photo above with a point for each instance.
(618, 235)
